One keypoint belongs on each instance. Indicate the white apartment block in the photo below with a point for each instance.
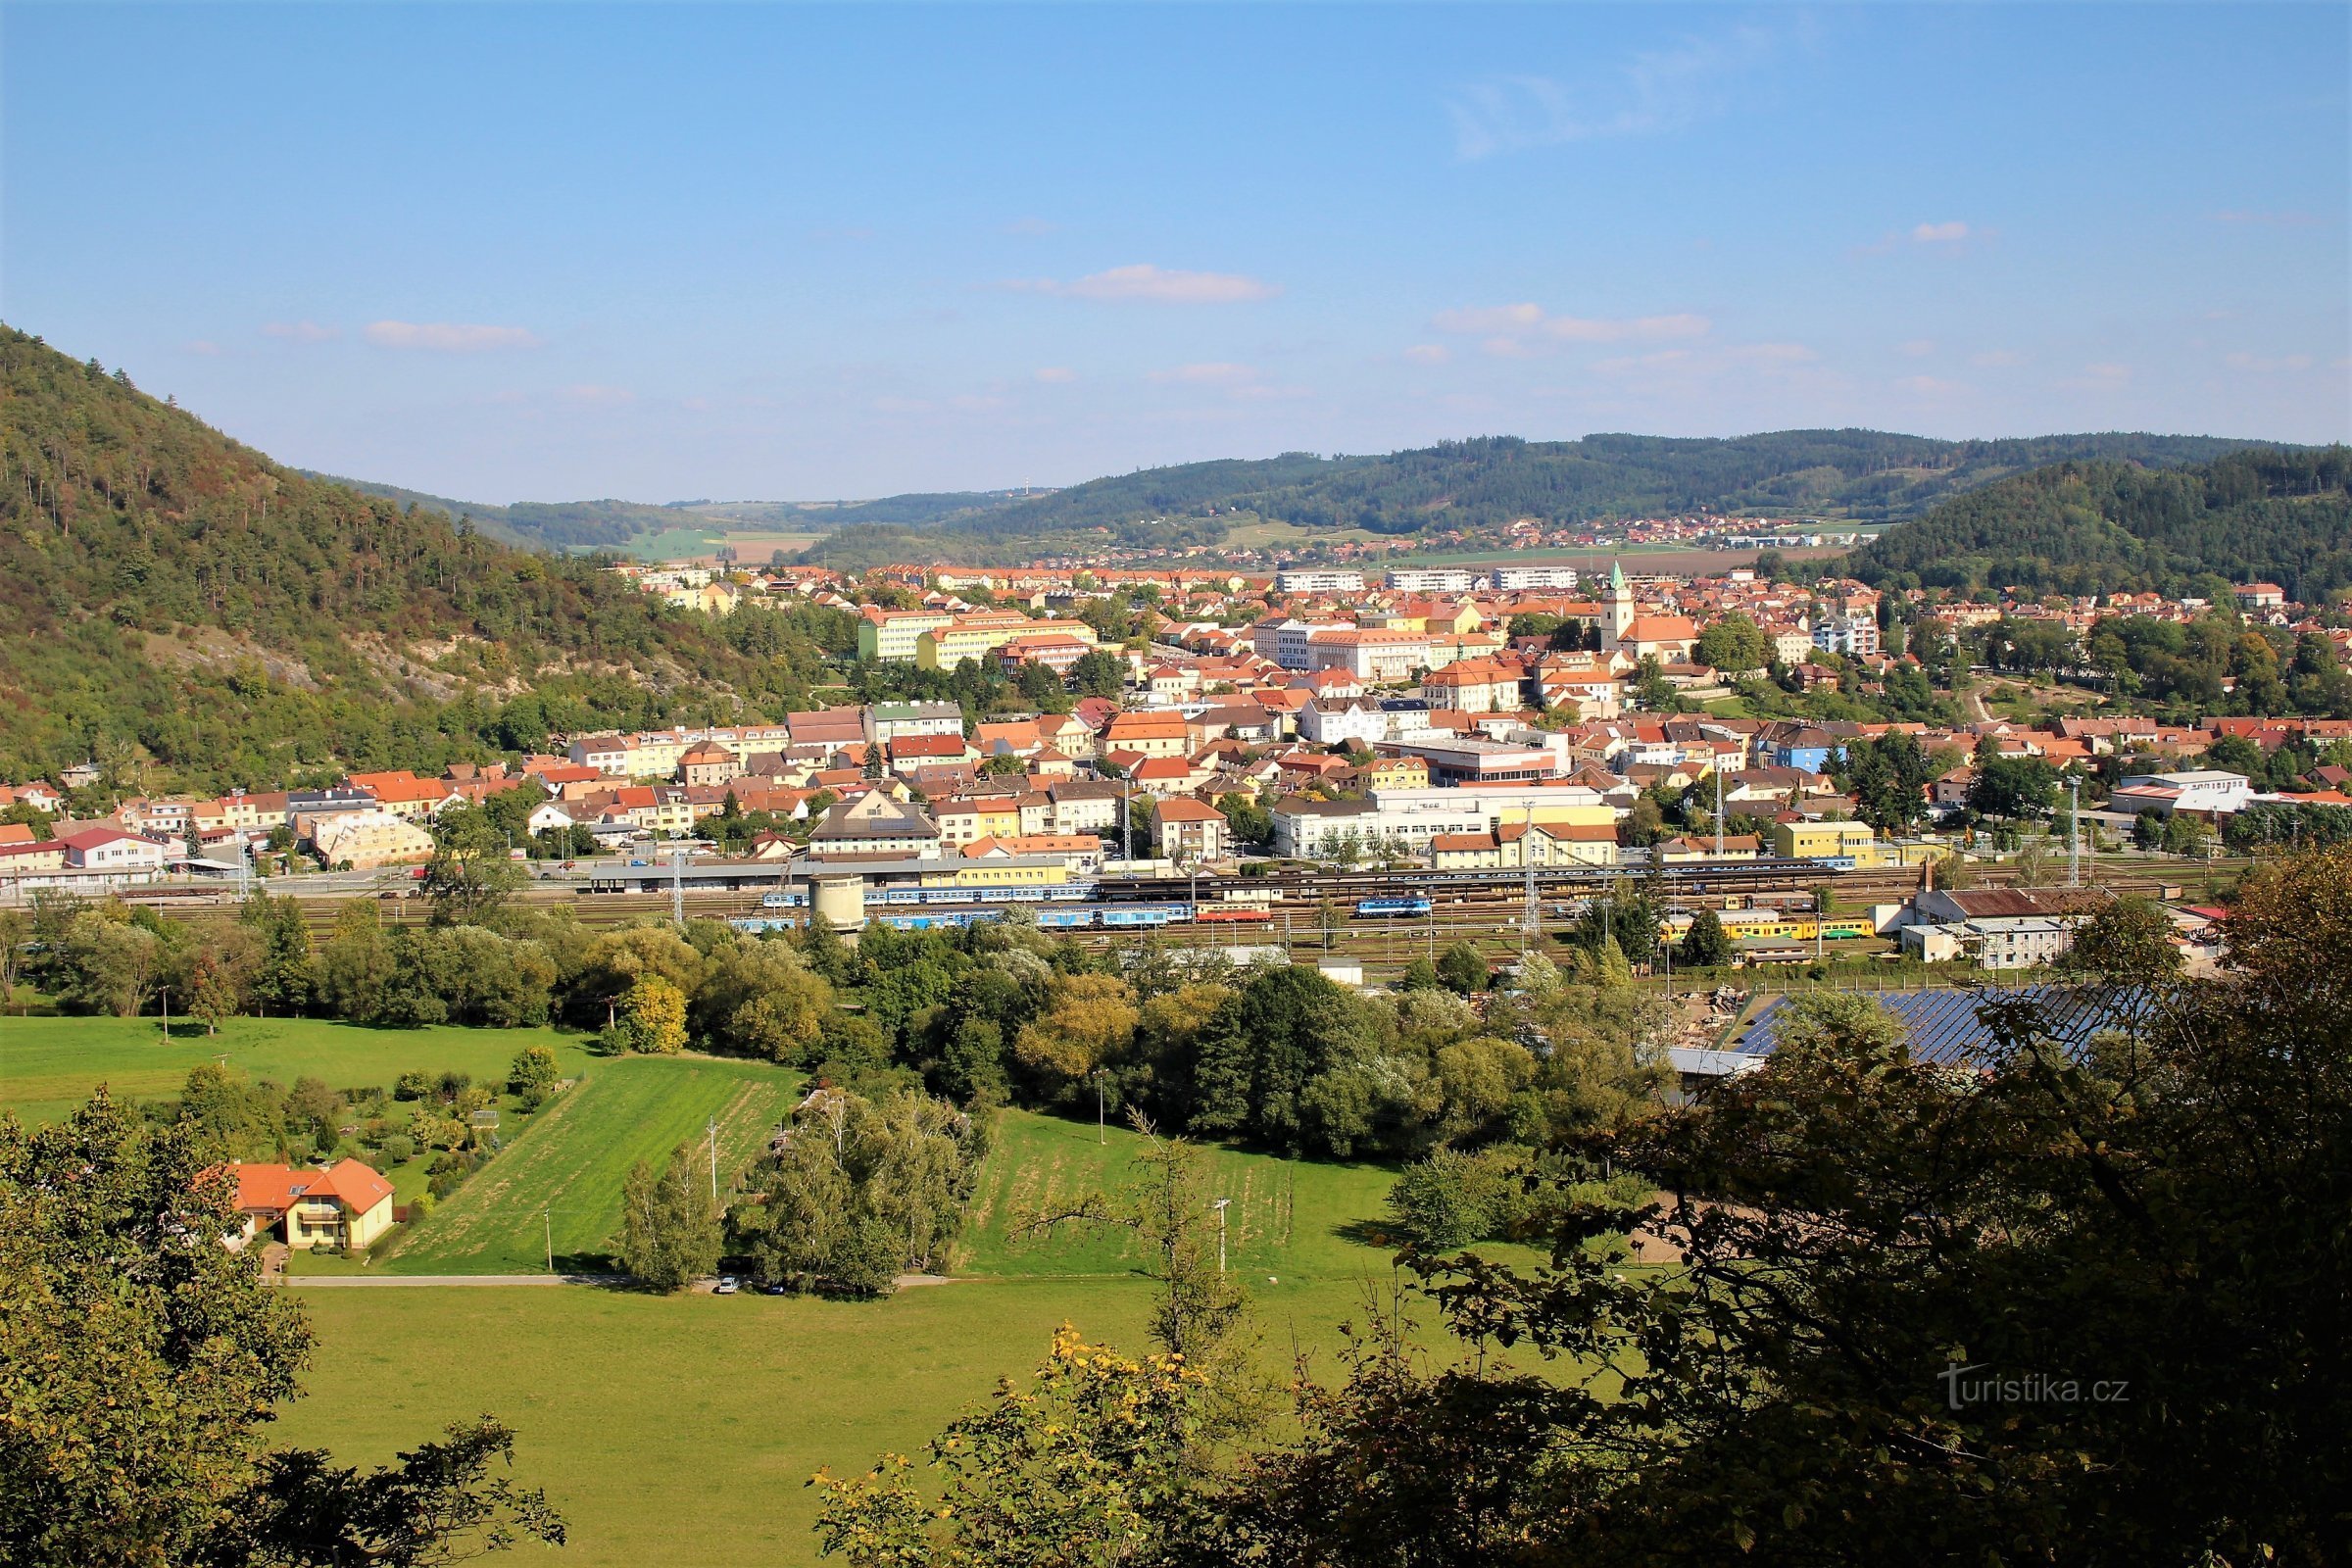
(1291, 640)
(1514, 577)
(1318, 580)
(1847, 634)
(1430, 579)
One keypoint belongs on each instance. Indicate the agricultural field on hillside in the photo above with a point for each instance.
(569, 1160)
(1301, 1217)
(48, 1065)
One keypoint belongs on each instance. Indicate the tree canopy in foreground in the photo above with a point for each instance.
(2075, 1306)
(141, 1359)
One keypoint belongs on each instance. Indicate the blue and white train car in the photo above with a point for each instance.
(1390, 908)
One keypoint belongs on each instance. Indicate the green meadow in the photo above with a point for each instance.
(682, 1430)
(48, 1065)
(561, 1175)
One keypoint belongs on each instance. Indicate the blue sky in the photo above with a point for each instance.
(549, 251)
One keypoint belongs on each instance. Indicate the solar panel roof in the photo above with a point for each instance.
(1947, 1026)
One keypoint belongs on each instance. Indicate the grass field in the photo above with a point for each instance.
(570, 1158)
(49, 1065)
(682, 1430)
(1287, 1218)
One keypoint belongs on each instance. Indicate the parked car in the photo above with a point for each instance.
(728, 1284)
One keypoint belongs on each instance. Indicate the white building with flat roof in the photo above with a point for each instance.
(1431, 579)
(1509, 578)
(1318, 580)
(2208, 790)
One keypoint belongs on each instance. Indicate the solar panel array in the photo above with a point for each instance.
(1949, 1027)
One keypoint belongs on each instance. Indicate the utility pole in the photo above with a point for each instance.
(2074, 832)
(550, 1226)
(1718, 770)
(1531, 923)
(677, 888)
(1220, 1206)
(1102, 1125)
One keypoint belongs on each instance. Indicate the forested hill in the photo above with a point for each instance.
(617, 525)
(545, 524)
(2274, 516)
(1862, 475)
(189, 612)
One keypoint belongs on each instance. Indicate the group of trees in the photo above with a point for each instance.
(852, 1194)
(122, 960)
(858, 1191)
(1276, 1055)
(2010, 1315)
(144, 1361)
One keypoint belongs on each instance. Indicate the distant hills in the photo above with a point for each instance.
(1847, 475)
(575, 525)
(2281, 515)
(173, 601)
(1836, 475)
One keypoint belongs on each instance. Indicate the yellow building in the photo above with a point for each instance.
(962, 822)
(979, 876)
(1826, 841)
(346, 1205)
(364, 840)
(977, 635)
(892, 633)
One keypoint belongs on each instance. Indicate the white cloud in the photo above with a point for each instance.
(300, 331)
(2267, 364)
(449, 337)
(898, 404)
(592, 395)
(1429, 354)
(1646, 94)
(1918, 348)
(974, 403)
(1930, 386)
(1218, 373)
(1996, 359)
(1056, 374)
(1771, 354)
(1950, 233)
(1155, 285)
(1520, 325)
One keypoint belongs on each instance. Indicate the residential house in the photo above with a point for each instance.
(1187, 830)
(347, 1204)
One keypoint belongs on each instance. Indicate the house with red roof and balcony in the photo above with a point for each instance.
(346, 1205)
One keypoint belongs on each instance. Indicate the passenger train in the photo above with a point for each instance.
(1070, 918)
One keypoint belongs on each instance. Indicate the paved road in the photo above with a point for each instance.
(338, 1281)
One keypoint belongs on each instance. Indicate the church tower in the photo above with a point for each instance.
(1621, 604)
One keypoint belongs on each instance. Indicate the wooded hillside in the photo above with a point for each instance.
(1861, 475)
(185, 610)
(2274, 515)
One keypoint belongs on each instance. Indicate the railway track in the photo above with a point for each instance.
(1475, 901)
